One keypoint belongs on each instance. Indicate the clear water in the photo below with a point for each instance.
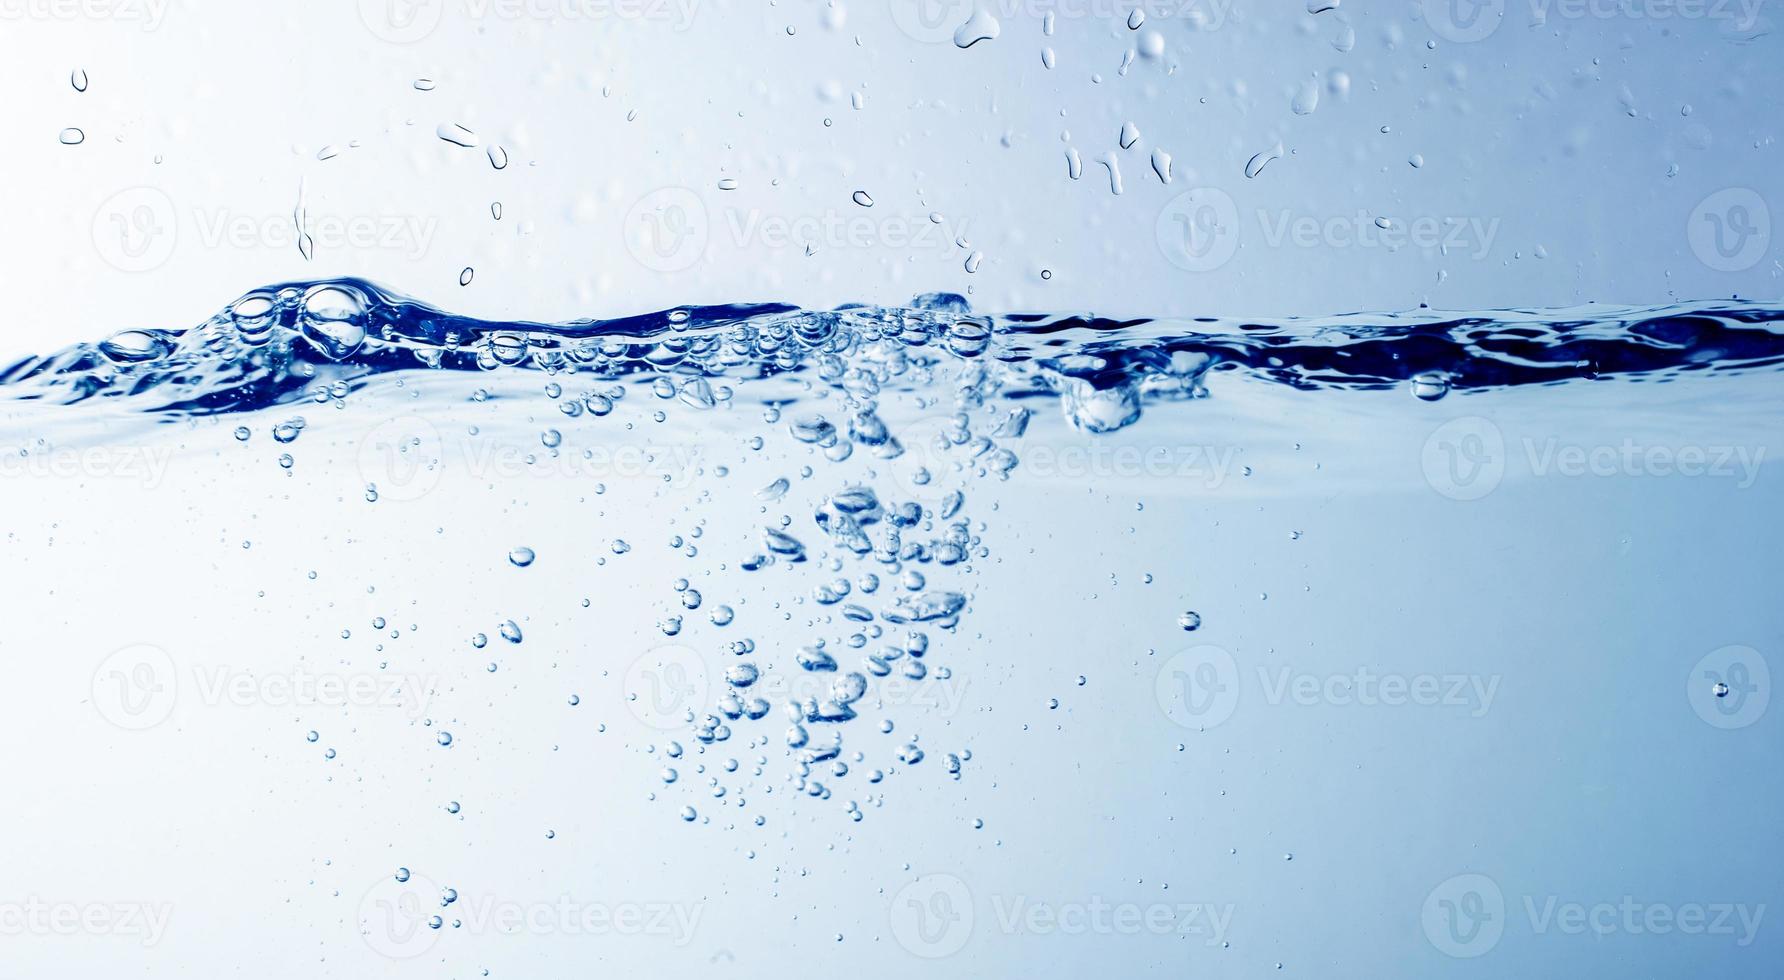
(351, 637)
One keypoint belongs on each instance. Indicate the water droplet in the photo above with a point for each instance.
(1190, 621)
(521, 557)
(333, 320)
(455, 134)
(78, 78)
(863, 198)
(1306, 98)
(1262, 159)
(1430, 386)
(498, 157)
(981, 26)
(72, 137)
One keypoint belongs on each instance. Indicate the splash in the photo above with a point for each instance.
(278, 345)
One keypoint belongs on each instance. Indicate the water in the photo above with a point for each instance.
(753, 639)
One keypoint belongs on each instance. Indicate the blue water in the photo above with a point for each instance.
(761, 641)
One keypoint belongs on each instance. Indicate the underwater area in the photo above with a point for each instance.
(981, 488)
